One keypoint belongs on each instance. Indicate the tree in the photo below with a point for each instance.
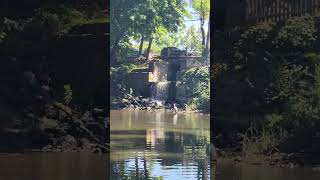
(202, 10)
(143, 18)
(167, 14)
(207, 49)
(191, 39)
(121, 24)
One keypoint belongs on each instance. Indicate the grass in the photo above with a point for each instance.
(255, 143)
(96, 21)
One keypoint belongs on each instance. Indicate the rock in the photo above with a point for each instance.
(125, 101)
(49, 123)
(50, 111)
(97, 151)
(68, 143)
(97, 110)
(131, 107)
(85, 143)
(159, 103)
(135, 102)
(47, 148)
(45, 88)
(63, 108)
(316, 168)
(100, 118)
(87, 116)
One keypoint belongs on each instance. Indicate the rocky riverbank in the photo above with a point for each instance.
(59, 129)
(148, 104)
(35, 118)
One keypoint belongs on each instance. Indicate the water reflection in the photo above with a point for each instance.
(150, 145)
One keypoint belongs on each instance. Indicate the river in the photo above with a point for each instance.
(159, 145)
(53, 166)
(227, 170)
(145, 145)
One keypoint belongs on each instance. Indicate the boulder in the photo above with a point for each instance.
(68, 143)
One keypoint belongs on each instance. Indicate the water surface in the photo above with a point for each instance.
(227, 170)
(159, 145)
(54, 166)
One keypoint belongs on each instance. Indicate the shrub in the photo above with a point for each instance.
(297, 33)
(197, 83)
(51, 22)
(2, 36)
(67, 93)
(255, 142)
(118, 79)
(278, 65)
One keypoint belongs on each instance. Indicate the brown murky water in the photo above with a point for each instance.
(159, 145)
(54, 166)
(145, 145)
(227, 170)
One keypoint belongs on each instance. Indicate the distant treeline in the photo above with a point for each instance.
(25, 8)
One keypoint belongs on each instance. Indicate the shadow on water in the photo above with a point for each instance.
(227, 170)
(159, 145)
(54, 166)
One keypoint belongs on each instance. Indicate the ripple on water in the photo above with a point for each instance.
(149, 145)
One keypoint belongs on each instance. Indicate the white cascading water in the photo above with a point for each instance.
(160, 90)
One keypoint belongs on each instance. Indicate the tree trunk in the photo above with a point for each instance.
(141, 44)
(115, 48)
(207, 50)
(203, 34)
(149, 48)
(113, 52)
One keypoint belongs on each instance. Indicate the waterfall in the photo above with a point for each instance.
(160, 71)
(163, 80)
(160, 90)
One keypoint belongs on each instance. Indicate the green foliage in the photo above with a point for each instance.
(118, 80)
(128, 67)
(197, 83)
(274, 62)
(217, 69)
(56, 21)
(49, 21)
(9, 28)
(67, 93)
(130, 19)
(258, 33)
(2, 36)
(190, 39)
(279, 80)
(313, 57)
(305, 105)
(197, 80)
(202, 8)
(288, 81)
(299, 32)
(185, 38)
(255, 142)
